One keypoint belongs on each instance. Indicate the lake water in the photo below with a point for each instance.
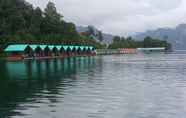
(128, 86)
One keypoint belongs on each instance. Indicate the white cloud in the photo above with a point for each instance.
(121, 16)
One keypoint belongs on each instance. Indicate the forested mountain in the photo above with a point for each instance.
(105, 38)
(176, 36)
(22, 23)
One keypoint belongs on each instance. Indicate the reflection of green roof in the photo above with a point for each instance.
(18, 48)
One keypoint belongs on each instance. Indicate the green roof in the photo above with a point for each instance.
(13, 48)
(51, 47)
(82, 47)
(58, 47)
(76, 47)
(22, 47)
(71, 47)
(86, 47)
(42, 46)
(65, 47)
(91, 48)
(33, 46)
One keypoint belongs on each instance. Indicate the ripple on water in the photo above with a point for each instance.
(125, 86)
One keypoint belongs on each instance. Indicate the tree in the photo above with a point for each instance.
(51, 12)
(129, 42)
(21, 23)
(90, 30)
(52, 20)
(35, 22)
(116, 39)
(147, 42)
(70, 31)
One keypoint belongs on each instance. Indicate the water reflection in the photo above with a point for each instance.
(129, 86)
(37, 81)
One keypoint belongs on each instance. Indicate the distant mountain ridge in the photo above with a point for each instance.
(176, 36)
(107, 38)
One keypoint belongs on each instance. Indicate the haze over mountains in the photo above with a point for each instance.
(176, 36)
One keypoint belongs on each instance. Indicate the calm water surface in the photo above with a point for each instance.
(130, 86)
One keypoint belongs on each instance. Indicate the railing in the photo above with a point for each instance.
(107, 51)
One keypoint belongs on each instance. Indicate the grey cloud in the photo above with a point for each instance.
(122, 17)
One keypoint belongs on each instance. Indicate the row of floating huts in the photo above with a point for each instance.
(34, 51)
(31, 51)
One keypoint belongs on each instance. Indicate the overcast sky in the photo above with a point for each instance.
(121, 17)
